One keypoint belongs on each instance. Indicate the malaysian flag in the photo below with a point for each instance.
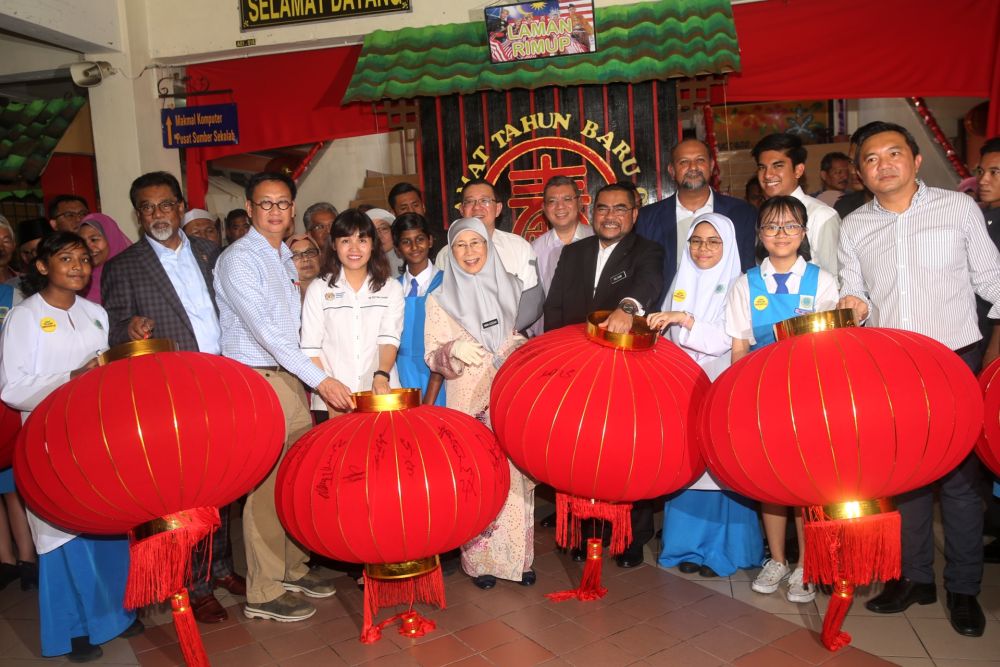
(500, 53)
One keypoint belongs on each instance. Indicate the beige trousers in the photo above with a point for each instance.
(272, 555)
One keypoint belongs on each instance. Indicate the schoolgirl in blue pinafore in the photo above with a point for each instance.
(410, 364)
(6, 303)
(786, 244)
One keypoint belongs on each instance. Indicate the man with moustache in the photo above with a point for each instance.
(835, 173)
(162, 286)
(914, 258)
(318, 219)
(668, 221)
(260, 313)
(616, 270)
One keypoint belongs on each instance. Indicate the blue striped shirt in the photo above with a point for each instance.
(260, 308)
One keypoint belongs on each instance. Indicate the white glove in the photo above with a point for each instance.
(468, 352)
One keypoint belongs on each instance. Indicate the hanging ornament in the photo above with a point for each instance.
(925, 115)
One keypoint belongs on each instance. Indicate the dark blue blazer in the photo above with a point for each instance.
(658, 222)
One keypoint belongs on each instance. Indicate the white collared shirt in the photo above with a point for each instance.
(602, 258)
(823, 231)
(344, 329)
(424, 279)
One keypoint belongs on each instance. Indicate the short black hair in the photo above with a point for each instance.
(673, 148)
(789, 144)
(33, 281)
(866, 132)
(61, 199)
(152, 179)
(236, 213)
(992, 145)
(478, 181)
(827, 162)
(778, 205)
(264, 177)
(408, 221)
(31, 229)
(628, 187)
(402, 189)
(560, 180)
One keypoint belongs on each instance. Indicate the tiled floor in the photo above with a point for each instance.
(650, 616)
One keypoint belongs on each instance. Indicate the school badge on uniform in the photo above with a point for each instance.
(328, 296)
(680, 295)
(47, 324)
(807, 302)
(760, 303)
(97, 323)
(720, 288)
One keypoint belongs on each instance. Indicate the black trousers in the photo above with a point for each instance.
(641, 517)
(962, 514)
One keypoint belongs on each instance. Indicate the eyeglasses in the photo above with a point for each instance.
(74, 215)
(552, 201)
(482, 201)
(617, 209)
(791, 229)
(165, 207)
(305, 254)
(712, 243)
(319, 226)
(267, 204)
(471, 245)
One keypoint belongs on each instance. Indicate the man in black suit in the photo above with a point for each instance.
(667, 222)
(614, 270)
(162, 287)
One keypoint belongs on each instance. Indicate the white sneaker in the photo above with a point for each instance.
(770, 577)
(799, 591)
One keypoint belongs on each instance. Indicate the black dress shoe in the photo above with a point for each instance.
(83, 650)
(548, 521)
(991, 552)
(134, 630)
(966, 615)
(528, 578)
(486, 581)
(706, 571)
(687, 567)
(579, 555)
(628, 560)
(899, 594)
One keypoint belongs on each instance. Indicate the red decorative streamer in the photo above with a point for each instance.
(925, 115)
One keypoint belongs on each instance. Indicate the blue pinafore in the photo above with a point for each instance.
(410, 364)
(6, 303)
(768, 309)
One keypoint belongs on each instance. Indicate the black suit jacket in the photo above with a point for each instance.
(658, 222)
(135, 284)
(634, 269)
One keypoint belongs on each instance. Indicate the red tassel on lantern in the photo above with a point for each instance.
(590, 585)
(387, 588)
(187, 630)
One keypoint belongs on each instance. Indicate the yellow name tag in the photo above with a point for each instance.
(680, 295)
(760, 303)
(48, 324)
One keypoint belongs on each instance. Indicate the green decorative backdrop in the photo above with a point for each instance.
(640, 42)
(29, 133)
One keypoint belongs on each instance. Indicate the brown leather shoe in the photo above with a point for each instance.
(208, 609)
(233, 583)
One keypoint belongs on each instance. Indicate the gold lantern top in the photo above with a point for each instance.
(136, 348)
(814, 323)
(396, 399)
(639, 337)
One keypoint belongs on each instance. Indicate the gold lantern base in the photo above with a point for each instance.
(396, 399)
(639, 337)
(856, 509)
(404, 570)
(814, 323)
(136, 348)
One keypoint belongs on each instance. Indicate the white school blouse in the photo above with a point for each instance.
(39, 348)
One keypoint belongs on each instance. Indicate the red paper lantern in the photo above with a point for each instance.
(838, 420)
(392, 485)
(151, 445)
(10, 427)
(988, 445)
(600, 417)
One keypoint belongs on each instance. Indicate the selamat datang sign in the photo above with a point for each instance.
(267, 13)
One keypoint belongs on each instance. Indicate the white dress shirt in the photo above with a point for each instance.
(823, 228)
(424, 279)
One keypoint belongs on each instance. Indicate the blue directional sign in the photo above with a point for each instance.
(193, 127)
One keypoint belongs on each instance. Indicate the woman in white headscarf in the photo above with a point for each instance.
(706, 529)
(470, 330)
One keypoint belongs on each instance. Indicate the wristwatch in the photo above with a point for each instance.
(380, 373)
(629, 306)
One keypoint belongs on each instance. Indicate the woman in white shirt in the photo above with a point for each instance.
(50, 338)
(352, 315)
(706, 529)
